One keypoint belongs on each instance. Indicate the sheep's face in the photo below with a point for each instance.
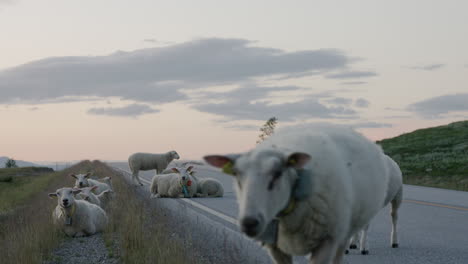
(175, 155)
(81, 180)
(264, 180)
(65, 196)
(184, 175)
(87, 192)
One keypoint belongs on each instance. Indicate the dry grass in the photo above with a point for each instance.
(142, 233)
(27, 234)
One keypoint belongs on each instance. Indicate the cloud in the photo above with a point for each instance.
(157, 74)
(436, 106)
(340, 101)
(133, 110)
(353, 83)
(351, 75)
(304, 109)
(370, 125)
(430, 67)
(33, 108)
(249, 92)
(362, 103)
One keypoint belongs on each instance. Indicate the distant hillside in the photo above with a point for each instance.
(19, 163)
(436, 156)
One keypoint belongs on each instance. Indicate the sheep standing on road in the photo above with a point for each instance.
(77, 218)
(173, 184)
(395, 196)
(308, 190)
(147, 161)
(83, 180)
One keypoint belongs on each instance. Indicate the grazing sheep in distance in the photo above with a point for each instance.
(395, 196)
(307, 190)
(83, 180)
(77, 218)
(173, 184)
(148, 161)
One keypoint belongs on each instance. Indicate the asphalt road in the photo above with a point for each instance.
(433, 223)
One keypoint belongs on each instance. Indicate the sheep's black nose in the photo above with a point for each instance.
(250, 226)
(81, 184)
(65, 201)
(183, 178)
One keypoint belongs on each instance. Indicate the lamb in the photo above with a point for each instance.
(395, 196)
(173, 184)
(77, 218)
(208, 187)
(83, 180)
(88, 195)
(307, 190)
(102, 200)
(147, 161)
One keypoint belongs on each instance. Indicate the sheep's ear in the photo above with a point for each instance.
(297, 160)
(189, 169)
(223, 162)
(175, 170)
(52, 195)
(218, 161)
(76, 191)
(87, 175)
(73, 175)
(94, 187)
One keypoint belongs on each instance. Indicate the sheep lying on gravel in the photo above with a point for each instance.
(147, 161)
(308, 190)
(83, 180)
(173, 184)
(208, 187)
(395, 196)
(77, 218)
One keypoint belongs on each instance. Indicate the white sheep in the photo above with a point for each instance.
(77, 218)
(148, 161)
(83, 180)
(395, 196)
(208, 187)
(173, 184)
(88, 195)
(307, 190)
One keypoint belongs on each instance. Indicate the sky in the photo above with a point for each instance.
(104, 79)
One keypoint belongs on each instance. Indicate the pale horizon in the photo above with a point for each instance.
(102, 80)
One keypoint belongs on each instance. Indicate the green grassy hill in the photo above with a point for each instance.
(436, 156)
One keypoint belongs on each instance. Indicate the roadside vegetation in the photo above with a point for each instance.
(433, 157)
(142, 233)
(26, 231)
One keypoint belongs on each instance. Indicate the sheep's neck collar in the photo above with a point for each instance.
(69, 213)
(300, 191)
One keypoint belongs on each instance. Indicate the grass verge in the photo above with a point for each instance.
(142, 234)
(27, 234)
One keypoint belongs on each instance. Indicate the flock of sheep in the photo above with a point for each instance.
(303, 191)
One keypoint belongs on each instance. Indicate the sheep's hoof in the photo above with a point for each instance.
(346, 252)
(352, 246)
(394, 245)
(365, 252)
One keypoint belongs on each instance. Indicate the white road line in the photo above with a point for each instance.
(198, 205)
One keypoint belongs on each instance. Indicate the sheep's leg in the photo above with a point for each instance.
(363, 245)
(278, 256)
(135, 178)
(354, 241)
(396, 202)
(326, 253)
(339, 254)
